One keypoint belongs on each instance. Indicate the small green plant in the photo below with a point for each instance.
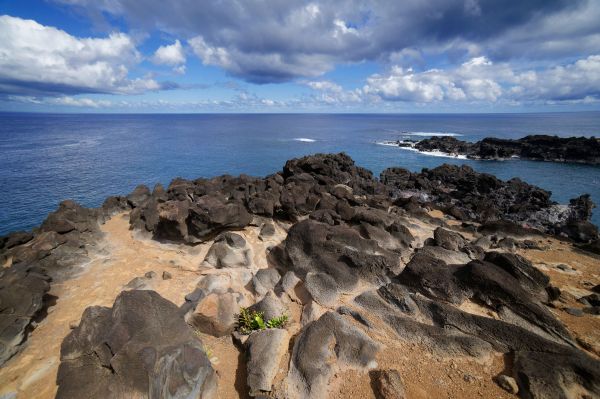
(277, 322)
(251, 320)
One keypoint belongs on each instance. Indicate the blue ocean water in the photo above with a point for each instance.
(45, 158)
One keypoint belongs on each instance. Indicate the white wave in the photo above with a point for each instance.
(443, 154)
(304, 140)
(430, 153)
(387, 143)
(431, 134)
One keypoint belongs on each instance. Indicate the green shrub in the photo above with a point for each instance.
(250, 320)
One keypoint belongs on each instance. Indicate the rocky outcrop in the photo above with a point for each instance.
(141, 347)
(536, 147)
(363, 265)
(471, 196)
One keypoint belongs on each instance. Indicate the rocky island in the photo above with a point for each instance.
(536, 147)
(443, 283)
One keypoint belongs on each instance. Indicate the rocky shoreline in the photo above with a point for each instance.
(444, 265)
(536, 147)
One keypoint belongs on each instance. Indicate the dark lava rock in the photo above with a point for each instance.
(22, 298)
(338, 252)
(471, 196)
(71, 216)
(138, 196)
(13, 239)
(141, 347)
(320, 347)
(535, 147)
(567, 371)
(593, 247)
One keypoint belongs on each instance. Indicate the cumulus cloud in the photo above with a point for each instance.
(37, 59)
(172, 55)
(274, 40)
(480, 80)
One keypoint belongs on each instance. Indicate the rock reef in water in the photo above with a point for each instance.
(536, 147)
(362, 266)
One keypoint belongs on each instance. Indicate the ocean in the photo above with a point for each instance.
(45, 158)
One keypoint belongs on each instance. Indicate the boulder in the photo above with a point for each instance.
(265, 349)
(270, 306)
(141, 347)
(266, 231)
(229, 250)
(339, 252)
(323, 346)
(138, 196)
(23, 291)
(216, 314)
(265, 280)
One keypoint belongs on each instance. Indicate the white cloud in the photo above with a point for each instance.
(480, 80)
(275, 40)
(172, 55)
(39, 59)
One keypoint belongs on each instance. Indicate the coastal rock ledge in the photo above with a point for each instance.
(443, 283)
(584, 150)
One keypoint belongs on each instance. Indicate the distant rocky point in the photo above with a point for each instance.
(443, 282)
(537, 147)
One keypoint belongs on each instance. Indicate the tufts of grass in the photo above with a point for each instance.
(250, 320)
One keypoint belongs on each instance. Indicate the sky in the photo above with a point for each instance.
(299, 56)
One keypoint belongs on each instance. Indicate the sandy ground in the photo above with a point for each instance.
(32, 373)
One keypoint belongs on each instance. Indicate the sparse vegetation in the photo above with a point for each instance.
(250, 320)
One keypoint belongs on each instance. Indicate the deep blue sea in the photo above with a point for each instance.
(86, 157)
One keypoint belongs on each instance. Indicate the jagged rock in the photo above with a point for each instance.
(388, 384)
(445, 255)
(209, 216)
(14, 239)
(166, 275)
(469, 195)
(534, 147)
(71, 216)
(229, 250)
(432, 277)
(265, 280)
(265, 349)
(141, 347)
(138, 196)
(522, 270)
(447, 239)
(314, 358)
(22, 298)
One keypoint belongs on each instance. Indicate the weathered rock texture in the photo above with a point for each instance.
(141, 347)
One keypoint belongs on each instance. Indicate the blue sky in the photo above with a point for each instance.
(299, 56)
